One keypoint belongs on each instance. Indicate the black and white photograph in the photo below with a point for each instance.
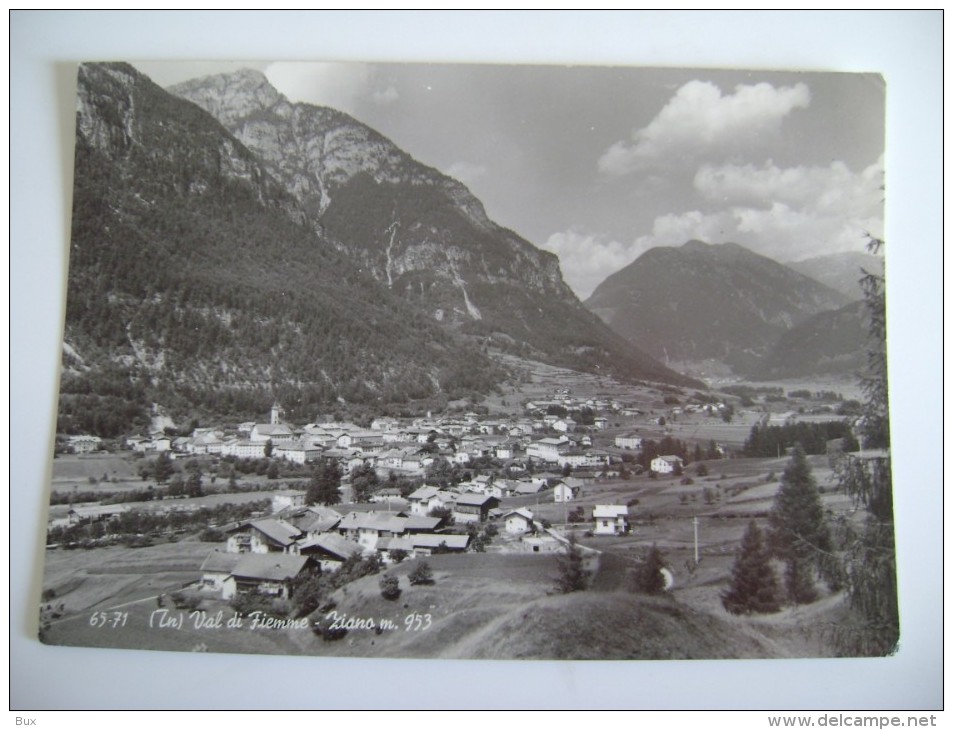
(522, 363)
(323, 394)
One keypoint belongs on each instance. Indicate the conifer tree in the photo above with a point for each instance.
(648, 576)
(799, 533)
(325, 484)
(572, 573)
(754, 585)
(871, 570)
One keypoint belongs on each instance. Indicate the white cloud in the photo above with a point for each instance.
(587, 259)
(465, 172)
(699, 118)
(832, 190)
(385, 96)
(780, 231)
(337, 85)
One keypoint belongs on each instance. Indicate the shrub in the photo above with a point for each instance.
(398, 555)
(245, 603)
(390, 587)
(210, 534)
(421, 575)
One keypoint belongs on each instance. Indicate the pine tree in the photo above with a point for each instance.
(754, 585)
(799, 533)
(648, 576)
(572, 574)
(871, 570)
(325, 484)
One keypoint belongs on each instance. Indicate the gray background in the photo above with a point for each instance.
(905, 46)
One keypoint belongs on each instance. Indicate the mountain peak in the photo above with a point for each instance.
(700, 301)
(696, 246)
(231, 96)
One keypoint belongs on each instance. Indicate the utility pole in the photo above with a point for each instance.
(695, 525)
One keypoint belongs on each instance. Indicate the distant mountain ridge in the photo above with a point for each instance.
(841, 271)
(708, 301)
(829, 343)
(417, 231)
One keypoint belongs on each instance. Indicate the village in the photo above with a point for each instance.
(480, 469)
(251, 512)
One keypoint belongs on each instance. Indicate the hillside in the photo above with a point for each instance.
(486, 606)
(701, 301)
(841, 271)
(197, 282)
(829, 343)
(419, 233)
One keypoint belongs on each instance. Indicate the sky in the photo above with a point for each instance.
(600, 164)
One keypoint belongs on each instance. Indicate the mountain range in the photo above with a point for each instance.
(709, 301)
(418, 232)
(229, 247)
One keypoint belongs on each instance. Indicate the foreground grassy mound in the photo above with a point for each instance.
(503, 607)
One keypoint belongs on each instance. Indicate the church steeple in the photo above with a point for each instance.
(276, 413)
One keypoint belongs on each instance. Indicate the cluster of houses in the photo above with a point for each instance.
(268, 554)
(390, 446)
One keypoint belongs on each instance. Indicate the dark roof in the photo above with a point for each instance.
(279, 532)
(454, 542)
(219, 562)
(270, 566)
(421, 524)
(331, 544)
(475, 500)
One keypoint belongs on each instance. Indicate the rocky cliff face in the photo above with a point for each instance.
(196, 281)
(420, 233)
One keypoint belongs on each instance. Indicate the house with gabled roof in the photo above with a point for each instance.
(204, 441)
(277, 433)
(667, 464)
(610, 519)
(427, 544)
(311, 520)
(366, 528)
(420, 500)
(299, 451)
(267, 535)
(269, 574)
(628, 441)
(548, 449)
(244, 448)
(567, 489)
(473, 507)
(329, 550)
(216, 568)
(518, 521)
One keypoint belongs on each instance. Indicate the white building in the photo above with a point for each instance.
(610, 519)
(666, 464)
(628, 441)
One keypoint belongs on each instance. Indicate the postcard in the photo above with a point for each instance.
(474, 362)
